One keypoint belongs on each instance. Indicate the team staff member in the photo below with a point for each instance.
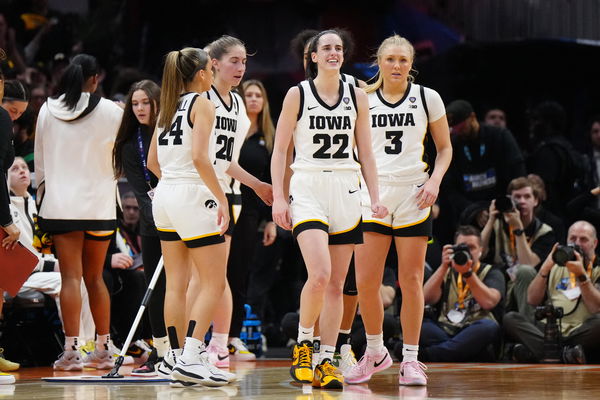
(326, 117)
(76, 197)
(190, 212)
(130, 156)
(401, 114)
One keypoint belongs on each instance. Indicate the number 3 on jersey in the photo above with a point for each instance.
(176, 132)
(395, 141)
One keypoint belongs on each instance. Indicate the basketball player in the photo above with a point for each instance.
(325, 116)
(190, 212)
(401, 114)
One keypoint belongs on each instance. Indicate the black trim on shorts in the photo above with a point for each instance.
(304, 226)
(377, 228)
(354, 236)
(301, 102)
(424, 228)
(102, 238)
(189, 113)
(204, 241)
(350, 283)
(57, 226)
(168, 236)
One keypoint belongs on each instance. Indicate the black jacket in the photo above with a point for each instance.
(7, 156)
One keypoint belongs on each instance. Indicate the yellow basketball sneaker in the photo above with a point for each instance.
(327, 376)
(5, 365)
(301, 370)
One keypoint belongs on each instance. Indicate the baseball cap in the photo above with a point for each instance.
(458, 111)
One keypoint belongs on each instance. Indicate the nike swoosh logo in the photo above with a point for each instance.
(217, 107)
(370, 108)
(352, 191)
(312, 108)
(222, 358)
(421, 185)
(377, 364)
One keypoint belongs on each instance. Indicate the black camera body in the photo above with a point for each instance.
(552, 333)
(505, 204)
(462, 254)
(565, 253)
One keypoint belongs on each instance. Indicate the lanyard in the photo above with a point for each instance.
(462, 292)
(143, 157)
(468, 152)
(589, 273)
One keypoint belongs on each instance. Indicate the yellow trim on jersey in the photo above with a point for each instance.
(414, 223)
(346, 230)
(166, 230)
(201, 236)
(94, 233)
(376, 222)
(310, 220)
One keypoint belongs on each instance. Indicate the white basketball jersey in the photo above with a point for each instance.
(398, 135)
(324, 135)
(175, 143)
(349, 79)
(228, 134)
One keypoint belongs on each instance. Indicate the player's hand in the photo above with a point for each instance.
(427, 194)
(269, 234)
(281, 214)
(13, 233)
(379, 210)
(265, 192)
(223, 217)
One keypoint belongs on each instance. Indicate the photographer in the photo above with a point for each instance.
(467, 291)
(574, 287)
(515, 238)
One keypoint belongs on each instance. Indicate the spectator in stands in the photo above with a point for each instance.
(484, 161)
(543, 214)
(574, 287)
(553, 157)
(13, 64)
(495, 117)
(468, 293)
(517, 240)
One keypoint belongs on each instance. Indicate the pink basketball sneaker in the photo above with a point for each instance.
(412, 373)
(367, 366)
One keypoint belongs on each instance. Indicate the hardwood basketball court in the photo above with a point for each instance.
(269, 379)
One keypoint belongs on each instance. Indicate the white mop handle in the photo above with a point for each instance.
(138, 317)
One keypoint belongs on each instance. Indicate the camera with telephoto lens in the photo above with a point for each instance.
(563, 254)
(552, 333)
(461, 254)
(505, 204)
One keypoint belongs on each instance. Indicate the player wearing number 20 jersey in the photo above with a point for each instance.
(324, 190)
(398, 133)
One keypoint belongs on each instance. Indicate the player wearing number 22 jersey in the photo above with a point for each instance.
(324, 190)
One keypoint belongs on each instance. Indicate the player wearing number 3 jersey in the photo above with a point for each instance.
(401, 114)
(326, 117)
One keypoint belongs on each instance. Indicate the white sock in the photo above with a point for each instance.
(71, 343)
(219, 339)
(326, 352)
(410, 352)
(161, 345)
(192, 348)
(102, 341)
(305, 333)
(375, 343)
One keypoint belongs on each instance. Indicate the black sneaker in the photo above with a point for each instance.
(148, 368)
(573, 354)
(522, 354)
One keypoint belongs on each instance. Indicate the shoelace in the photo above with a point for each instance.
(422, 367)
(362, 364)
(349, 359)
(304, 356)
(329, 369)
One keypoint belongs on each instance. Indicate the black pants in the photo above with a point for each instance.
(151, 253)
(241, 255)
(126, 288)
(519, 328)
